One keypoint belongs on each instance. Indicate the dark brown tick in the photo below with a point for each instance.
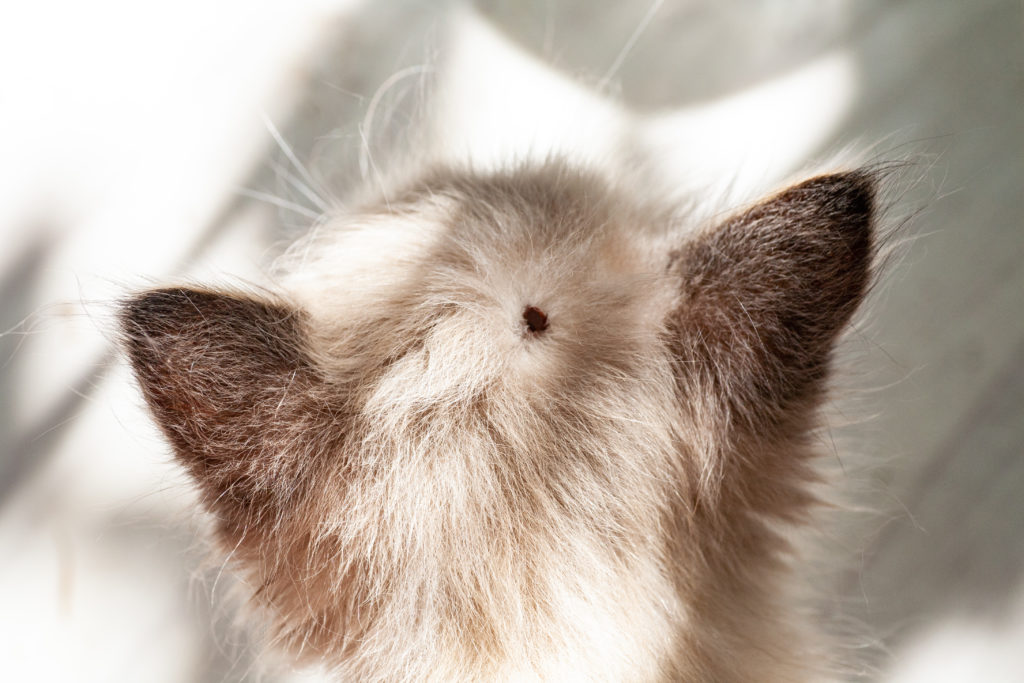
(536, 320)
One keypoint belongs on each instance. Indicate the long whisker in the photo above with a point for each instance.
(286, 148)
(302, 187)
(277, 201)
(630, 44)
(366, 128)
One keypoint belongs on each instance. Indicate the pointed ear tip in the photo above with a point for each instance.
(149, 318)
(851, 192)
(137, 312)
(160, 321)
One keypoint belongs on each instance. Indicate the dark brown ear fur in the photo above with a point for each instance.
(765, 295)
(231, 388)
(762, 299)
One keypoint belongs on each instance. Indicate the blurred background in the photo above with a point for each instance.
(142, 142)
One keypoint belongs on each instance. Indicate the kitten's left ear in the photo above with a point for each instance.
(227, 379)
(765, 295)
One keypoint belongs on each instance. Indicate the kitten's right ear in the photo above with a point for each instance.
(765, 295)
(231, 387)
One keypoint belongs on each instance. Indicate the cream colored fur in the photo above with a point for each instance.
(419, 483)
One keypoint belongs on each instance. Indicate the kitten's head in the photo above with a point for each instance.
(519, 424)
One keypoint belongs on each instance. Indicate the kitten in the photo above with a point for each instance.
(522, 424)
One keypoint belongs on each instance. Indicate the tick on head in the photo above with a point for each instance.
(536, 320)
